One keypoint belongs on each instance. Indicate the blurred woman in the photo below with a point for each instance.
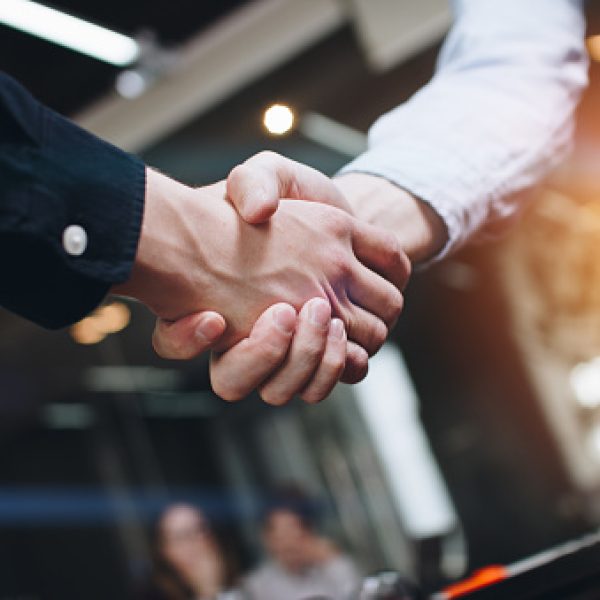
(189, 562)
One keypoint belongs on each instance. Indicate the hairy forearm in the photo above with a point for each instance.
(375, 200)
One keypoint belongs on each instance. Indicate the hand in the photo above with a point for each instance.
(255, 188)
(260, 269)
(285, 354)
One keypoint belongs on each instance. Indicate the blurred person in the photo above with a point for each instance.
(80, 218)
(453, 162)
(301, 564)
(189, 561)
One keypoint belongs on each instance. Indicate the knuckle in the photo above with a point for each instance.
(340, 261)
(406, 266)
(394, 253)
(334, 365)
(157, 344)
(357, 364)
(311, 350)
(376, 338)
(380, 336)
(395, 257)
(395, 306)
(264, 156)
(274, 397)
(271, 353)
(338, 222)
(396, 261)
(225, 390)
(313, 396)
(351, 322)
(167, 346)
(238, 173)
(392, 244)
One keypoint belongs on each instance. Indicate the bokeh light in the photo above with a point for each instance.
(110, 318)
(279, 119)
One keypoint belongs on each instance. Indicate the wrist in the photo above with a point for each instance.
(375, 200)
(159, 249)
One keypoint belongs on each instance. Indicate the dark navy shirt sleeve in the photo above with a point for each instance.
(53, 175)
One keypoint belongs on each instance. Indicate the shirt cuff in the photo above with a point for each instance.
(405, 168)
(99, 188)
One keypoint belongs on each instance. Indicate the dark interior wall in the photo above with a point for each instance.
(484, 421)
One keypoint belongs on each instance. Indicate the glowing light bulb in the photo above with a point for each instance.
(278, 119)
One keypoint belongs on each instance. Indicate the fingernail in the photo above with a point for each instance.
(336, 329)
(319, 313)
(208, 330)
(285, 318)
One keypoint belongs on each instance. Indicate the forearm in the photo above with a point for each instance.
(162, 248)
(70, 212)
(375, 200)
(494, 120)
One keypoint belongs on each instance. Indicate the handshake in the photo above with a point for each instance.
(291, 280)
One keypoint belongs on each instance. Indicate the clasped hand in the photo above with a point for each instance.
(289, 296)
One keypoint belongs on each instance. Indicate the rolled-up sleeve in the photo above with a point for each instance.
(71, 209)
(494, 120)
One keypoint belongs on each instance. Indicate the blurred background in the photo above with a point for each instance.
(474, 440)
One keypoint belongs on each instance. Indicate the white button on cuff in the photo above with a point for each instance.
(74, 240)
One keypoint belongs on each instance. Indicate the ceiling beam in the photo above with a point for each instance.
(217, 63)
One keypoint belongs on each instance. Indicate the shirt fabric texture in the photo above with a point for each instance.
(53, 174)
(495, 119)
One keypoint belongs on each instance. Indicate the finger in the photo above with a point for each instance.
(256, 186)
(254, 192)
(375, 294)
(331, 367)
(357, 363)
(238, 371)
(381, 251)
(364, 328)
(304, 356)
(189, 336)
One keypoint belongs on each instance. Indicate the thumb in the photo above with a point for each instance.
(189, 336)
(256, 187)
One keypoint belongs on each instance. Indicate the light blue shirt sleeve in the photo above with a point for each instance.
(496, 117)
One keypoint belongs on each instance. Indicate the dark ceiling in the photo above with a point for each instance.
(66, 80)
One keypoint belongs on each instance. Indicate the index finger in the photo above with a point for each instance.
(238, 371)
